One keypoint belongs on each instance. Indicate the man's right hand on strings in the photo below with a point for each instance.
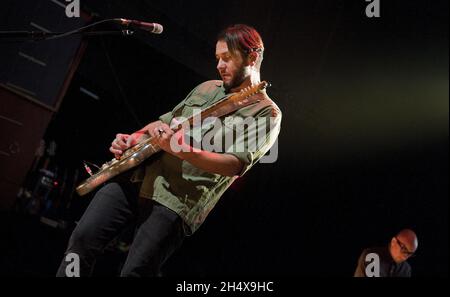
(121, 143)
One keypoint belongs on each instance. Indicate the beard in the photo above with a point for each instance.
(238, 79)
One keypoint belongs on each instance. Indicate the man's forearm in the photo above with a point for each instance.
(223, 164)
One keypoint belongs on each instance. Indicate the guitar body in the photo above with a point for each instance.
(130, 159)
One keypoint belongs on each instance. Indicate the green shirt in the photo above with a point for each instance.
(189, 191)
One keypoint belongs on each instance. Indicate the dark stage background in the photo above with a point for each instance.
(363, 150)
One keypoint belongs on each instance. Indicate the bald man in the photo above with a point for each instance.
(391, 258)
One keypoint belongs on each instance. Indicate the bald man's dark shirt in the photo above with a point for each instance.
(388, 267)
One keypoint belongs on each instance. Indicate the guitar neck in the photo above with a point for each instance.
(226, 105)
(223, 107)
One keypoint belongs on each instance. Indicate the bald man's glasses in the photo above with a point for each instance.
(403, 248)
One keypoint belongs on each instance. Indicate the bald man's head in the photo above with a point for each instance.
(409, 238)
(403, 245)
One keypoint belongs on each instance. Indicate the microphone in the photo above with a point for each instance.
(150, 27)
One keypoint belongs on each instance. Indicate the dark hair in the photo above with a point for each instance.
(244, 39)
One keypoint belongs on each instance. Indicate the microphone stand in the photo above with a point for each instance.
(41, 35)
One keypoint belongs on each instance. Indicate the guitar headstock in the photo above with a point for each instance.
(252, 90)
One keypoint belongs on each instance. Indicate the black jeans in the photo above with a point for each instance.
(159, 231)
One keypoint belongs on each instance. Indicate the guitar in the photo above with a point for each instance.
(135, 155)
